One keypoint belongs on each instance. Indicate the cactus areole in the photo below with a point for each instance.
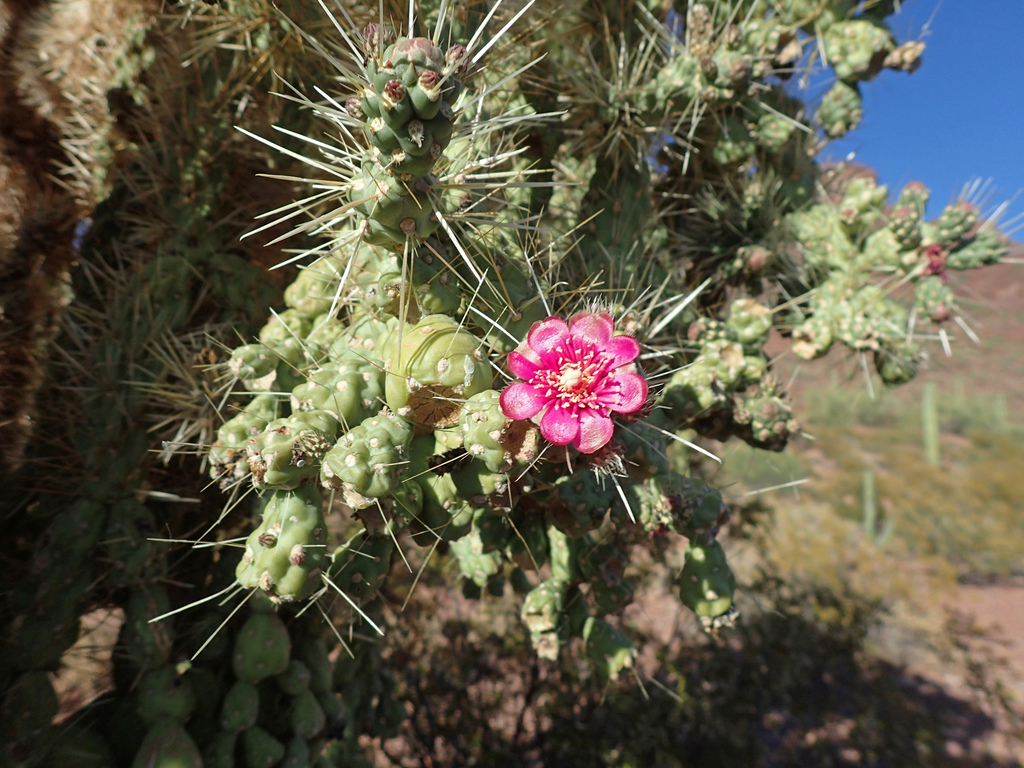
(574, 376)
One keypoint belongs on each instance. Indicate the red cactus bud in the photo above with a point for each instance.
(372, 37)
(267, 539)
(421, 49)
(936, 256)
(429, 80)
(457, 59)
(298, 555)
(394, 92)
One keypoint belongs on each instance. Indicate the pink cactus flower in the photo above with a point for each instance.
(574, 376)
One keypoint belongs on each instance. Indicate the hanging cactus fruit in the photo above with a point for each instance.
(841, 110)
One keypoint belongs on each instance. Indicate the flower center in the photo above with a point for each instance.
(570, 378)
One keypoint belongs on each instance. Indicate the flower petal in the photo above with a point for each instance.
(546, 334)
(560, 425)
(520, 401)
(624, 392)
(595, 431)
(522, 366)
(621, 349)
(593, 327)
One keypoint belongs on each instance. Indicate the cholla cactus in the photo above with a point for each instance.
(518, 279)
(391, 356)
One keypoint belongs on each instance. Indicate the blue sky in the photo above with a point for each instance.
(961, 115)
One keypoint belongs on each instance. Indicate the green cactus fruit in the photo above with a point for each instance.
(168, 745)
(897, 362)
(432, 367)
(486, 431)
(727, 362)
(254, 364)
(905, 225)
(813, 337)
(228, 457)
(707, 329)
(841, 109)
(364, 337)
(857, 48)
(476, 565)
(750, 322)
(608, 648)
(735, 144)
(366, 462)
(766, 415)
(584, 500)
(313, 291)
(286, 326)
(165, 695)
(858, 324)
(288, 451)
(915, 197)
(360, 567)
(350, 386)
(295, 679)
(862, 205)
(287, 547)
(821, 237)
(541, 613)
(307, 716)
(724, 76)
(261, 749)
(706, 584)
(934, 299)
(240, 708)
(262, 649)
(988, 246)
(880, 251)
(954, 223)
(773, 131)
(694, 390)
